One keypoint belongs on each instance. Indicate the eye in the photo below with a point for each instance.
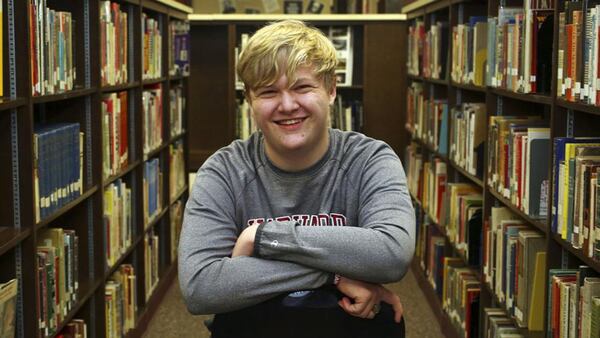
(266, 93)
(303, 88)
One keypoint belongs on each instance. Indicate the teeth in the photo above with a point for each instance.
(288, 122)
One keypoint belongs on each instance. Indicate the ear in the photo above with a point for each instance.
(332, 92)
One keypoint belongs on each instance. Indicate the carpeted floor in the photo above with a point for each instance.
(173, 320)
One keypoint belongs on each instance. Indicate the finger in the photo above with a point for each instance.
(371, 315)
(393, 299)
(353, 309)
(347, 306)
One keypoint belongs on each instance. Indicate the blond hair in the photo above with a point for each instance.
(285, 46)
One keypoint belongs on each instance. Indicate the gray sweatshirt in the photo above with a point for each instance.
(349, 214)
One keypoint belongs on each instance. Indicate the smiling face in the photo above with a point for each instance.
(293, 118)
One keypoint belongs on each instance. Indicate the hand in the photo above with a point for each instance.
(244, 246)
(365, 296)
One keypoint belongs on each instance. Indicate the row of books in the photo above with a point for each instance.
(115, 145)
(469, 51)
(514, 264)
(153, 186)
(176, 217)
(151, 48)
(460, 296)
(244, 122)
(151, 258)
(177, 176)
(520, 48)
(52, 35)
(114, 44)
(57, 276)
(456, 284)
(497, 323)
(434, 47)
(177, 107)
(427, 118)
(510, 51)
(118, 220)
(343, 42)
(578, 52)
(152, 106)
(346, 114)
(427, 181)
(179, 48)
(511, 252)
(416, 45)
(517, 167)
(573, 303)
(58, 169)
(575, 208)
(467, 137)
(120, 301)
(455, 207)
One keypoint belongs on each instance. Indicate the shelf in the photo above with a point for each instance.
(320, 18)
(534, 98)
(149, 82)
(177, 77)
(469, 87)
(110, 270)
(7, 103)
(11, 237)
(123, 172)
(120, 87)
(540, 224)
(44, 222)
(178, 195)
(586, 108)
(155, 151)
(466, 174)
(594, 264)
(72, 94)
(421, 5)
(430, 149)
(441, 82)
(177, 5)
(155, 219)
(177, 137)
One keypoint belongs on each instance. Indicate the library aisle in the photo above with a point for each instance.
(172, 319)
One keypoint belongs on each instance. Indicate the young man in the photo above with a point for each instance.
(292, 232)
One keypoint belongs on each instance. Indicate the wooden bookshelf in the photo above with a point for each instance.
(565, 118)
(21, 112)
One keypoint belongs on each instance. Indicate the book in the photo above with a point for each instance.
(8, 307)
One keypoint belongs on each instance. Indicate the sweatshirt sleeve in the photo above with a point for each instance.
(210, 280)
(378, 250)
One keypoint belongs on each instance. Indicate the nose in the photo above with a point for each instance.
(288, 102)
